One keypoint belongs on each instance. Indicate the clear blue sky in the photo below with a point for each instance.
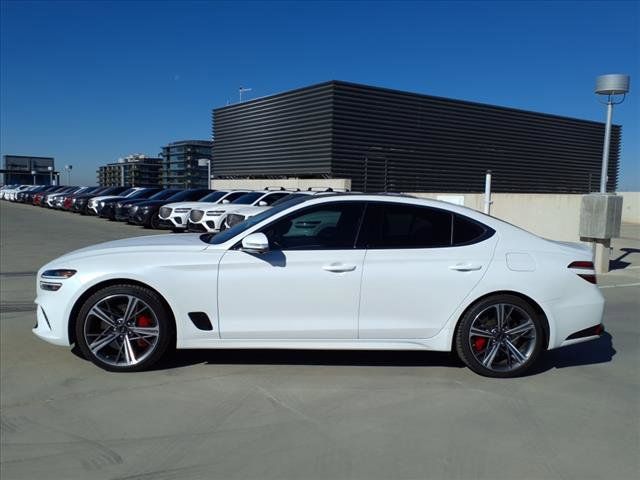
(88, 82)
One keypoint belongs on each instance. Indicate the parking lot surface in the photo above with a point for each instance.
(303, 414)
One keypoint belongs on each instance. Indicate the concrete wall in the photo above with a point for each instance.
(554, 216)
(292, 183)
(630, 207)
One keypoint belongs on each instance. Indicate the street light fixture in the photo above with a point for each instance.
(615, 87)
(67, 169)
(33, 172)
(50, 168)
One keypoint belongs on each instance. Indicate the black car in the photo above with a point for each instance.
(108, 207)
(81, 201)
(146, 213)
(26, 196)
(122, 206)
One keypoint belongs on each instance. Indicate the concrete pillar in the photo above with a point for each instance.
(602, 249)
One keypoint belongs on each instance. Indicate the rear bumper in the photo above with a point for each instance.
(574, 315)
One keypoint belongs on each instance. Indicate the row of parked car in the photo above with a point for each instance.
(180, 210)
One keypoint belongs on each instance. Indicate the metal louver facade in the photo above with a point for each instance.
(388, 140)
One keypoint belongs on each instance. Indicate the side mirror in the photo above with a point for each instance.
(262, 203)
(224, 202)
(255, 243)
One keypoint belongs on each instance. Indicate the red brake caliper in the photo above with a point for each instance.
(479, 343)
(143, 321)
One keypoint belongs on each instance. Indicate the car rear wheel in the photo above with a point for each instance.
(124, 328)
(500, 336)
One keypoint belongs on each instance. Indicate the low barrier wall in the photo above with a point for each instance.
(554, 216)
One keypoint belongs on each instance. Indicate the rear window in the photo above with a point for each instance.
(467, 231)
(412, 226)
(406, 226)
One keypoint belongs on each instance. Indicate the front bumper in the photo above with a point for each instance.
(141, 217)
(175, 221)
(196, 227)
(107, 211)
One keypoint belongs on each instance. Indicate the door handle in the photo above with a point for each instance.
(465, 267)
(339, 268)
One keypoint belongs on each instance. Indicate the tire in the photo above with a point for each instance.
(500, 348)
(138, 340)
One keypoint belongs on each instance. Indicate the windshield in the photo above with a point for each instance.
(139, 194)
(188, 195)
(288, 198)
(213, 197)
(161, 195)
(251, 221)
(248, 198)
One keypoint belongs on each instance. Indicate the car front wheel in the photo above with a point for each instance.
(123, 328)
(500, 336)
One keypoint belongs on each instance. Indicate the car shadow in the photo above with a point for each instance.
(182, 358)
(588, 353)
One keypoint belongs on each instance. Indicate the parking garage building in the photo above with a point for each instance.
(395, 141)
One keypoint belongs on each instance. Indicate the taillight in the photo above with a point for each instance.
(582, 265)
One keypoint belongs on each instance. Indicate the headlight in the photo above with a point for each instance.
(234, 219)
(59, 274)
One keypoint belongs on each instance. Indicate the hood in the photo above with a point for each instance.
(152, 203)
(248, 211)
(103, 197)
(133, 201)
(154, 243)
(221, 207)
(114, 199)
(190, 204)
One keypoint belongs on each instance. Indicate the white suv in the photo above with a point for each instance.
(203, 220)
(241, 214)
(175, 215)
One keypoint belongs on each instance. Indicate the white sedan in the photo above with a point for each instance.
(328, 272)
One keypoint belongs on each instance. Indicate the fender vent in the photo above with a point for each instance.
(200, 320)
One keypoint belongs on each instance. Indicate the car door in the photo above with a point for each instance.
(306, 287)
(420, 264)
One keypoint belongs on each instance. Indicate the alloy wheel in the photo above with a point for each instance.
(502, 337)
(121, 330)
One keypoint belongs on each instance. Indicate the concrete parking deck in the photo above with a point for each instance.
(299, 415)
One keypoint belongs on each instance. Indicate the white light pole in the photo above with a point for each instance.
(201, 163)
(67, 169)
(487, 193)
(50, 175)
(33, 172)
(612, 86)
